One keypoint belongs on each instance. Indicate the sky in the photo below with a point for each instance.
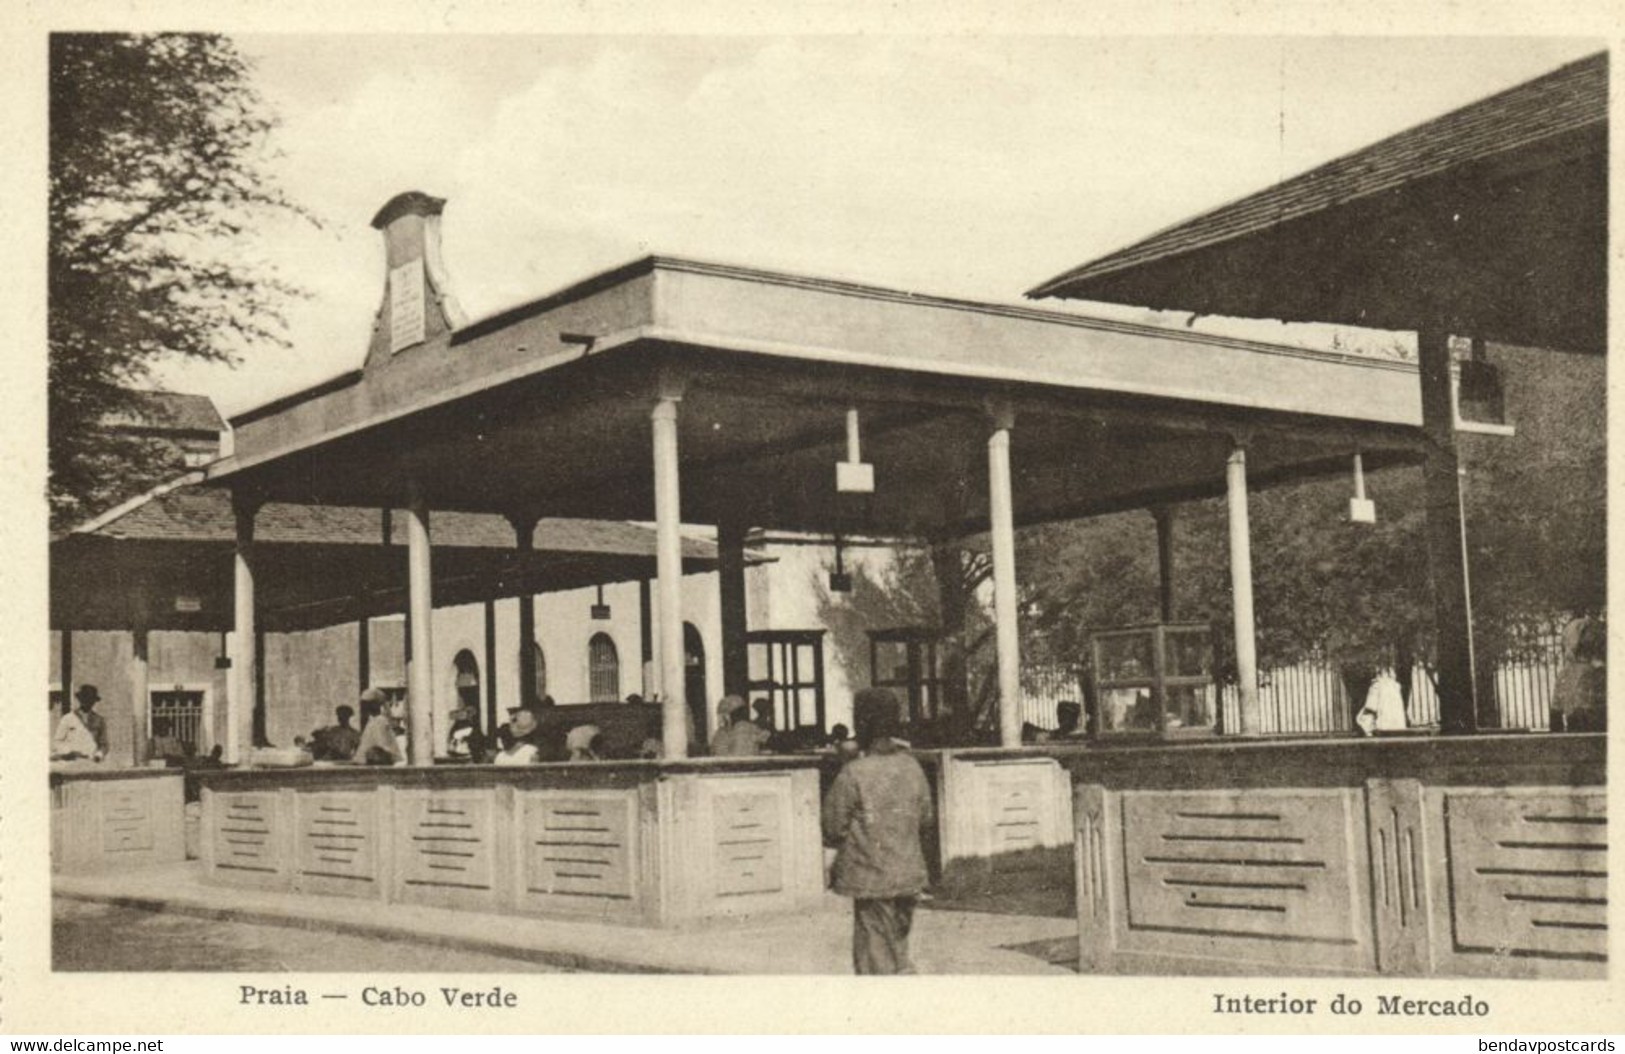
(967, 167)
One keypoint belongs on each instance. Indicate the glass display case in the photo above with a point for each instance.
(1155, 680)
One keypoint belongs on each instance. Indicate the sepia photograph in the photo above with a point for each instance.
(806, 505)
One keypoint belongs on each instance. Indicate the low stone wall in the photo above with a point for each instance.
(1470, 856)
(105, 818)
(1004, 820)
(648, 843)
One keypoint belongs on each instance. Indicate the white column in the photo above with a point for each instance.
(240, 683)
(420, 605)
(1241, 589)
(140, 699)
(1001, 523)
(669, 579)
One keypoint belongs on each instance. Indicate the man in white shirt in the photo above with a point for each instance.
(82, 732)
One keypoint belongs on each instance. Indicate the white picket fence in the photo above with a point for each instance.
(1308, 698)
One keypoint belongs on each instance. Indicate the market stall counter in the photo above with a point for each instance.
(1451, 856)
(105, 817)
(654, 843)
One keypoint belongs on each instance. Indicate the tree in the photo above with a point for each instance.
(157, 146)
(1359, 595)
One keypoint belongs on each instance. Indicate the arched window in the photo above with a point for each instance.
(466, 674)
(604, 669)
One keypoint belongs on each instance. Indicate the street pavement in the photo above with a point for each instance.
(107, 937)
(811, 942)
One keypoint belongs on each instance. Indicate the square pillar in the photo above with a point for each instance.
(1164, 515)
(646, 639)
(491, 723)
(65, 676)
(1447, 541)
(1241, 589)
(669, 576)
(524, 531)
(735, 617)
(1001, 524)
(363, 653)
(258, 732)
(420, 604)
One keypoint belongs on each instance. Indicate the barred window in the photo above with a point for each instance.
(604, 669)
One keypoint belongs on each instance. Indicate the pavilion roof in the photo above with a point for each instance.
(1410, 229)
(165, 557)
(546, 406)
(191, 513)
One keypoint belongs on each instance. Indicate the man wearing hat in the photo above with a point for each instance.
(875, 814)
(519, 745)
(82, 732)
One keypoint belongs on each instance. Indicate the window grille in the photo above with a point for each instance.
(604, 669)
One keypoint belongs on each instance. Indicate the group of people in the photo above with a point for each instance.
(381, 738)
(875, 814)
(81, 735)
(525, 740)
(746, 730)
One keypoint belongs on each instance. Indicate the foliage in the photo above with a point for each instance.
(1357, 594)
(156, 174)
(919, 587)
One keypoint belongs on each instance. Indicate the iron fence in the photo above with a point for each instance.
(180, 712)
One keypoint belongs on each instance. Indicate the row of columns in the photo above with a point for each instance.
(731, 535)
(420, 605)
(1006, 628)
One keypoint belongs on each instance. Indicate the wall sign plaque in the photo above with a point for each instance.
(406, 308)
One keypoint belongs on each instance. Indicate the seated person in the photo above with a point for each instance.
(842, 743)
(164, 745)
(378, 745)
(1068, 723)
(336, 742)
(465, 741)
(519, 745)
(585, 743)
(777, 742)
(742, 737)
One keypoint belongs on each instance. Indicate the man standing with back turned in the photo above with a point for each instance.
(875, 814)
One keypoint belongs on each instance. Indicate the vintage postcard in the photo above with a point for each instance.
(523, 518)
